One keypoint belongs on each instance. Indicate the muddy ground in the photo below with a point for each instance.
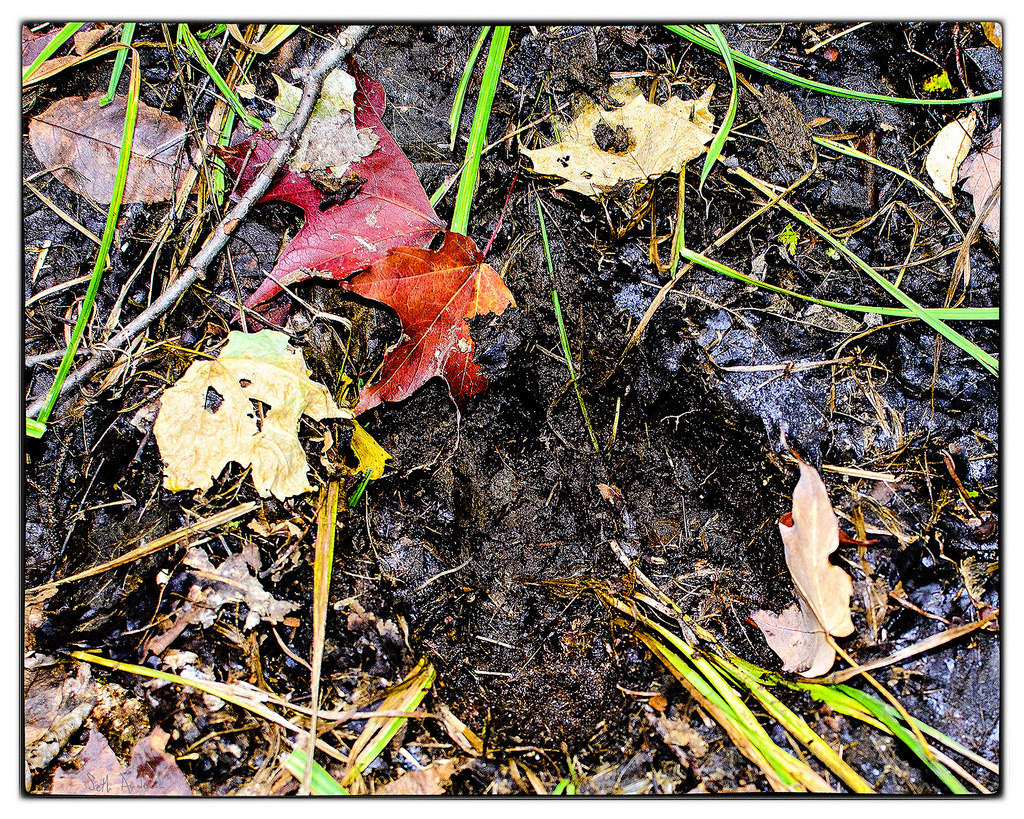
(475, 549)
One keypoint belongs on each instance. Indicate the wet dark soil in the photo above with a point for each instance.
(478, 544)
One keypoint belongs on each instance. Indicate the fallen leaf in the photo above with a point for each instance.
(981, 174)
(643, 141)
(33, 43)
(236, 584)
(429, 781)
(56, 703)
(330, 139)
(799, 634)
(948, 150)
(994, 33)
(208, 419)
(389, 210)
(151, 772)
(87, 138)
(938, 82)
(371, 455)
(434, 293)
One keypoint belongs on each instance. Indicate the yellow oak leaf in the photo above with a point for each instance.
(633, 143)
(209, 417)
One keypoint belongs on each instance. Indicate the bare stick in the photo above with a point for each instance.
(313, 82)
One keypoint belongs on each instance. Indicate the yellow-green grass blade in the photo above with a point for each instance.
(379, 731)
(113, 211)
(478, 133)
(188, 40)
(944, 313)
(115, 76)
(715, 149)
(460, 92)
(321, 782)
(695, 35)
(65, 34)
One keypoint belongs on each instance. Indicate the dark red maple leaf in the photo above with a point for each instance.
(390, 210)
(434, 292)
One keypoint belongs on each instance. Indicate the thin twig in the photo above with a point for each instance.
(344, 45)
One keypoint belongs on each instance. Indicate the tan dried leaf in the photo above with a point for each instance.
(198, 436)
(647, 141)
(948, 150)
(429, 781)
(87, 138)
(799, 634)
(982, 174)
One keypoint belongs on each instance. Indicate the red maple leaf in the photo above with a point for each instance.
(390, 210)
(434, 292)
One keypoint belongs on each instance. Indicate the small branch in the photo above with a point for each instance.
(313, 82)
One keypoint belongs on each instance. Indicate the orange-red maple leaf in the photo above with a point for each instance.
(434, 293)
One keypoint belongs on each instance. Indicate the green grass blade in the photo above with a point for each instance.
(478, 133)
(943, 313)
(698, 37)
(322, 783)
(562, 335)
(460, 92)
(906, 736)
(188, 40)
(715, 149)
(131, 112)
(115, 76)
(62, 37)
(985, 359)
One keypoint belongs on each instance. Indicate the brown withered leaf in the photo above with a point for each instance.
(981, 174)
(151, 772)
(429, 781)
(799, 634)
(86, 137)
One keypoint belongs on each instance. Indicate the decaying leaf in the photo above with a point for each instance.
(208, 418)
(798, 634)
(948, 150)
(434, 293)
(236, 584)
(429, 781)
(330, 139)
(981, 174)
(56, 704)
(86, 137)
(151, 772)
(634, 143)
(341, 235)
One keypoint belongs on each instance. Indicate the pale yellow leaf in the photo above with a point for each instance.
(208, 419)
(948, 150)
(799, 634)
(654, 140)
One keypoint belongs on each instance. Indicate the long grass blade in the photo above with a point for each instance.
(695, 35)
(478, 133)
(65, 34)
(323, 562)
(379, 731)
(321, 782)
(989, 362)
(715, 149)
(562, 335)
(943, 313)
(191, 44)
(115, 76)
(460, 92)
(114, 209)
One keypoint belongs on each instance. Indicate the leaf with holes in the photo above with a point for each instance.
(636, 142)
(348, 225)
(799, 635)
(434, 292)
(208, 418)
